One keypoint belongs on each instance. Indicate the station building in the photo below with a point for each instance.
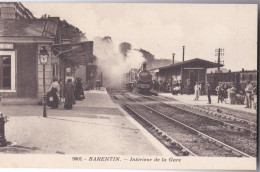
(193, 70)
(21, 38)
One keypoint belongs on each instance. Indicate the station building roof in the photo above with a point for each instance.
(199, 63)
(28, 28)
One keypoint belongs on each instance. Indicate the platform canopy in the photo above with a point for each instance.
(80, 49)
(74, 54)
(191, 64)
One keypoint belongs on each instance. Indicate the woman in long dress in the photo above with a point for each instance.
(61, 90)
(69, 95)
(53, 94)
(79, 93)
(196, 91)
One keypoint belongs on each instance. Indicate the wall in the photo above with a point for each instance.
(14, 10)
(26, 75)
(7, 10)
(26, 70)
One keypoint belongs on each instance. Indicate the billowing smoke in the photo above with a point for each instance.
(112, 63)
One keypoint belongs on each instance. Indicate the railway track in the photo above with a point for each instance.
(229, 121)
(181, 139)
(219, 113)
(230, 134)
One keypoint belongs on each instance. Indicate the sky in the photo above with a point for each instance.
(163, 29)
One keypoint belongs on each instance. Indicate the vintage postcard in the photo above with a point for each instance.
(128, 85)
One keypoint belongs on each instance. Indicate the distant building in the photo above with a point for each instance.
(194, 70)
(214, 70)
(21, 38)
(14, 10)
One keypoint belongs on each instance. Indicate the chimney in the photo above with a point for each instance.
(183, 53)
(144, 66)
(173, 54)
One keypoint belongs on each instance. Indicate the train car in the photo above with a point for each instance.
(130, 79)
(237, 79)
(247, 76)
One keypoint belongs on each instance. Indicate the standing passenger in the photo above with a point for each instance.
(219, 91)
(249, 90)
(61, 89)
(78, 90)
(82, 90)
(208, 89)
(53, 94)
(200, 86)
(196, 91)
(188, 87)
(69, 95)
(181, 86)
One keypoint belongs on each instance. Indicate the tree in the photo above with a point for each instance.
(124, 48)
(147, 55)
(107, 39)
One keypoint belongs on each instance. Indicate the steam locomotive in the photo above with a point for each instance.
(139, 80)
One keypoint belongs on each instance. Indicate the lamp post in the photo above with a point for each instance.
(43, 60)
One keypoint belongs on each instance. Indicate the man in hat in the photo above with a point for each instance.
(188, 87)
(69, 95)
(208, 89)
(181, 86)
(219, 91)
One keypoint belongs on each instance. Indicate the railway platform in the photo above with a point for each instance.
(203, 100)
(94, 126)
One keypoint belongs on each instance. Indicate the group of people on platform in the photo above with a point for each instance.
(68, 93)
(231, 94)
(165, 86)
(226, 93)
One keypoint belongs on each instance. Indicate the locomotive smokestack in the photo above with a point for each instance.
(144, 66)
(183, 53)
(173, 54)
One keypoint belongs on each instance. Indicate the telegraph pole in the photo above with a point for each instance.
(183, 47)
(219, 52)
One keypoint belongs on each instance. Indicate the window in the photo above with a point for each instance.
(55, 70)
(7, 71)
(243, 77)
(250, 77)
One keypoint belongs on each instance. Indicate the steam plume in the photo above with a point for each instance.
(112, 63)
